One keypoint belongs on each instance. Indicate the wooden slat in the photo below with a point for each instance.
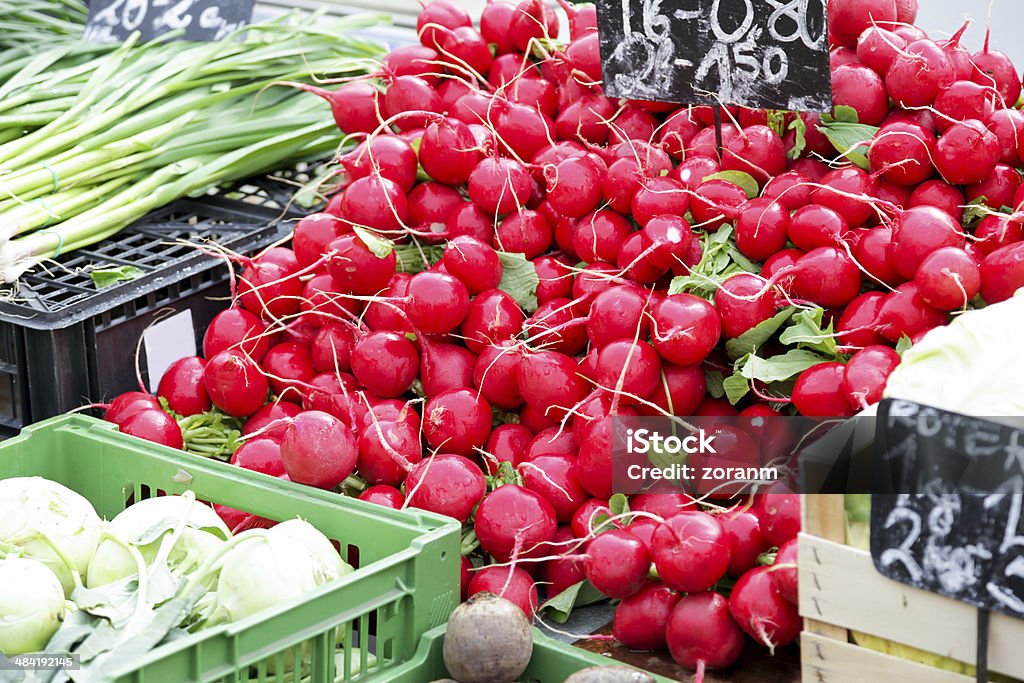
(839, 585)
(823, 515)
(829, 661)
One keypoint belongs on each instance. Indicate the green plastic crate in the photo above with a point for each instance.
(553, 661)
(406, 582)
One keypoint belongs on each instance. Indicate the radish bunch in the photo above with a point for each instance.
(512, 259)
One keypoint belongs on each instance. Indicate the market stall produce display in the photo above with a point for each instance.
(507, 262)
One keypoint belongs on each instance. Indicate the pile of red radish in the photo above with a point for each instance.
(514, 258)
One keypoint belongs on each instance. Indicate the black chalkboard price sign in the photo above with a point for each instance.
(200, 20)
(946, 516)
(763, 54)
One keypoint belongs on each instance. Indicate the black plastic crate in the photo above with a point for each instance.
(63, 343)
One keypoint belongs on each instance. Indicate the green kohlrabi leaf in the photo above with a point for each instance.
(576, 595)
(377, 245)
(744, 181)
(105, 277)
(519, 279)
(806, 332)
(756, 337)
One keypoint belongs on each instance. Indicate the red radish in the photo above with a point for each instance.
(691, 551)
(591, 281)
(385, 363)
(680, 390)
(856, 326)
(332, 348)
(387, 451)
(524, 232)
(413, 60)
(637, 262)
(585, 119)
(995, 69)
(444, 367)
(818, 392)
(997, 231)
(463, 48)
(313, 233)
(742, 529)
(902, 153)
(715, 202)
(917, 74)
(963, 100)
(701, 634)
(641, 620)
(629, 367)
(784, 572)
(878, 48)
(685, 329)
(548, 381)
(183, 388)
(437, 303)
(493, 317)
(847, 19)
(918, 232)
(677, 132)
(758, 150)
(585, 521)
(513, 584)
(941, 195)
(437, 16)
(967, 153)
(866, 374)
(1002, 273)
(705, 142)
(356, 269)
(495, 20)
(551, 441)
(594, 464)
(375, 202)
(841, 56)
(555, 279)
(743, 302)
(318, 450)
(906, 11)
(448, 151)
(288, 366)
(849, 192)
(553, 477)
(535, 419)
(262, 454)
(354, 105)
(474, 263)
(457, 421)
(270, 420)
(813, 226)
(513, 522)
(153, 424)
(599, 235)
(555, 327)
(446, 484)
(331, 393)
(762, 227)
(388, 156)
(499, 186)
(827, 276)
(618, 313)
(761, 612)
(662, 196)
(617, 563)
(415, 99)
(948, 279)
(388, 496)
(670, 239)
(574, 186)
(998, 189)
(905, 313)
(779, 512)
(390, 411)
(269, 289)
(521, 129)
(496, 374)
(321, 298)
(235, 383)
(507, 443)
(237, 328)
(532, 21)
(469, 220)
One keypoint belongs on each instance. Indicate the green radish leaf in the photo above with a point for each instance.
(841, 114)
(715, 383)
(378, 246)
(777, 121)
(903, 345)
(756, 337)
(976, 210)
(850, 139)
(806, 332)
(105, 277)
(736, 386)
(780, 368)
(744, 181)
(720, 261)
(577, 595)
(800, 144)
(519, 279)
(618, 504)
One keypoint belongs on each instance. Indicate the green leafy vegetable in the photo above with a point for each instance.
(105, 277)
(576, 595)
(519, 279)
(848, 136)
(744, 181)
(720, 261)
(714, 381)
(806, 332)
(377, 245)
(800, 144)
(756, 337)
(903, 345)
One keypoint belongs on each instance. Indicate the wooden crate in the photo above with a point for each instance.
(841, 591)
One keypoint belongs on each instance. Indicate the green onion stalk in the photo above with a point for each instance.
(101, 139)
